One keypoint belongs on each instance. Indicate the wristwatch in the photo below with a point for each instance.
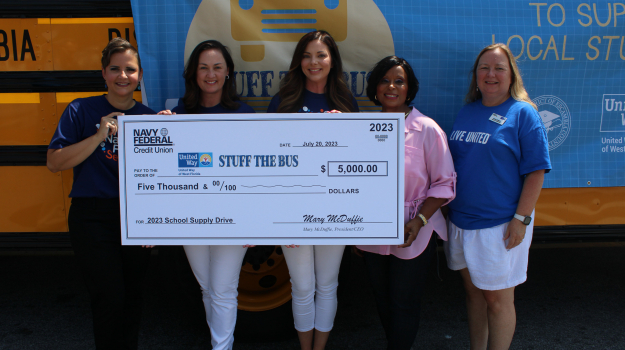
(526, 220)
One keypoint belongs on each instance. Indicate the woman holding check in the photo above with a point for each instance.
(398, 273)
(209, 89)
(314, 84)
(86, 140)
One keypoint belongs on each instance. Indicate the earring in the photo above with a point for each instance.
(227, 76)
(477, 89)
(375, 97)
(105, 86)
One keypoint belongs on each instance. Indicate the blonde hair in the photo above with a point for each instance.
(517, 90)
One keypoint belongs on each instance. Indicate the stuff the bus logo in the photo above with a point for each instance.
(195, 160)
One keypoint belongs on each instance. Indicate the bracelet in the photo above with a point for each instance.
(425, 221)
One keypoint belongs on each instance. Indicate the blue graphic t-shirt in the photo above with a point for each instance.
(218, 109)
(493, 149)
(97, 176)
(313, 103)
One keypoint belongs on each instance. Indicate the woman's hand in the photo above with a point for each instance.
(68, 157)
(333, 111)
(165, 112)
(515, 233)
(108, 126)
(411, 229)
(292, 246)
(249, 245)
(532, 185)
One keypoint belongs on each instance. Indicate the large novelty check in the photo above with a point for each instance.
(265, 179)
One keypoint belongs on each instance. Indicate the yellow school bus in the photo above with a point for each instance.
(45, 63)
(47, 59)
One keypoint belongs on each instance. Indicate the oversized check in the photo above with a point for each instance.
(262, 179)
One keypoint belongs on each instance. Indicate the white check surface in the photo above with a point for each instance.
(272, 179)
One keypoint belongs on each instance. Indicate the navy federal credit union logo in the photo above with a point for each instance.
(195, 160)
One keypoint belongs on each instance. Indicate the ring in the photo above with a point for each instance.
(113, 122)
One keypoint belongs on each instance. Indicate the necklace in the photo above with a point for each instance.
(407, 113)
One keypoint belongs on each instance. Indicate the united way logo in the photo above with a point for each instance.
(556, 118)
(188, 160)
(206, 160)
(613, 113)
(195, 160)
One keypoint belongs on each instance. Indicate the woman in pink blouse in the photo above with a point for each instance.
(398, 273)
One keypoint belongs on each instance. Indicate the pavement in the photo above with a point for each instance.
(574, 299)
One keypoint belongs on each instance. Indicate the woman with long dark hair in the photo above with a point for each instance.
(314, 84)
(209, 82)
(210, 88)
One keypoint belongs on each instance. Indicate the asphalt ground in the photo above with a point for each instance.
(574, 299)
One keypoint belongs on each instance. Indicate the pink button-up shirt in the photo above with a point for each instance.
(429, 172)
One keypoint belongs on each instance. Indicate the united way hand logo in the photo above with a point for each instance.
(206, 160)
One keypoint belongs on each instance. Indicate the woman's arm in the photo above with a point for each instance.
(529, 196)
(72, 155)
(442, 178)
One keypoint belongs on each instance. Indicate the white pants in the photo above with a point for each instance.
(217, 269)
(314, 274)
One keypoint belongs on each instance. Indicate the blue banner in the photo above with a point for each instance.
(570, 53)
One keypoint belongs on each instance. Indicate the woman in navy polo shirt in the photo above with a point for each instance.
(314, 84)
(86, 140)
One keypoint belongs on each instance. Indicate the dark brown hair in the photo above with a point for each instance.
(118, 45)
(294, 83)
(379, 71)
(193, 93)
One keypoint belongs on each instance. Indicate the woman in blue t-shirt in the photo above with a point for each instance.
(210, 88)
(501, 154)
(86, 140)
(314, 84)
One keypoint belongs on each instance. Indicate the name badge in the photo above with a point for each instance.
(497, 118)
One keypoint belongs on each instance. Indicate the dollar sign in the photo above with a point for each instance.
(323, 168)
